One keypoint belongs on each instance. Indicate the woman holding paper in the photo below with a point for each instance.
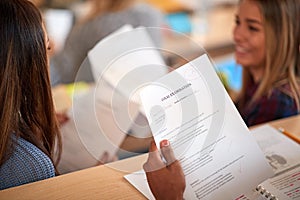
(266, 37)
(166, 180)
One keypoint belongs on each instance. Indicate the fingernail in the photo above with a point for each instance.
(165, 143)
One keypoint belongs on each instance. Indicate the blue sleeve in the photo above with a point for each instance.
(27, 164)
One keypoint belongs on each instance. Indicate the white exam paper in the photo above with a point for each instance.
(191, 108)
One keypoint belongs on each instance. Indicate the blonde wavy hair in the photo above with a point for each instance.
(282, 33)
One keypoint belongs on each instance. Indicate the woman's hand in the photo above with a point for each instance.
(166, 180)
(106, 158)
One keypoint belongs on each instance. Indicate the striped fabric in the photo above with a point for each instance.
(27, 164)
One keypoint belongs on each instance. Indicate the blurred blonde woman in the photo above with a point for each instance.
(105, 17)
(266, 36)
(100, 7)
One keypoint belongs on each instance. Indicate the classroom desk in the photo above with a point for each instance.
(291, 125)
(106, 181)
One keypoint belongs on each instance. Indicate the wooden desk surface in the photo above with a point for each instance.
(104, 182)
(291, 125)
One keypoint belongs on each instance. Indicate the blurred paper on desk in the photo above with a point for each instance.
(139, 180)
(97, 124)
(127, 59)
(281, 152)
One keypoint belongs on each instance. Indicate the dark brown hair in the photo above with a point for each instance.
(25, 91)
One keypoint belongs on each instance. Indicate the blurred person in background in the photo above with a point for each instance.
(105, 17)
(38, 3)
(266, 37)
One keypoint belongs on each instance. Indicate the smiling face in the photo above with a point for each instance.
(249, 37)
